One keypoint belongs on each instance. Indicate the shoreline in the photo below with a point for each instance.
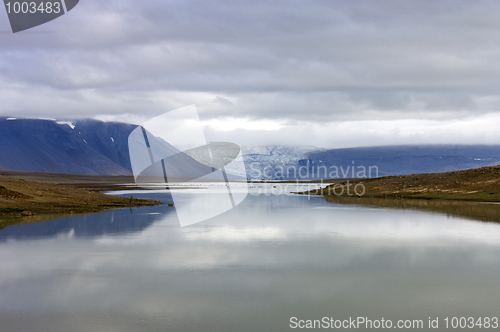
(473, 185)
(26, 194)
(21, 199)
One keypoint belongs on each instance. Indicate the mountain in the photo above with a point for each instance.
(89, 147)
(404, 160)
(101, 148)
(306, 163)
(79, 147)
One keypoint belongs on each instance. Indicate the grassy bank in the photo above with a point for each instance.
(23, 198)
(480, 185)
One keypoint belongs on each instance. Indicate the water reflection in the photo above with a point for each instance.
(115, 222)
(463, 209)
(252, 268)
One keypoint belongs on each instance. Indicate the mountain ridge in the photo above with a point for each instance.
(95, 147)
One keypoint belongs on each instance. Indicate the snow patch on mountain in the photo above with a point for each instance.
(69, 123)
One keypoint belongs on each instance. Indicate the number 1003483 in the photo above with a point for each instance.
(47, 7)
(471, 322)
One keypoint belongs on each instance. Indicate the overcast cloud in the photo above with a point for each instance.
(324, 73)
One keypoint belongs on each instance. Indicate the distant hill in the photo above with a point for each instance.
(289, 163)
(79, 147)
(88, 147)
(411, 159)
(101, 148)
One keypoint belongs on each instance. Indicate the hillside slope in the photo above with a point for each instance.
(79, 147)
(482, 184)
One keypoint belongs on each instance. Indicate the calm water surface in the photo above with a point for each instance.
(250, 269)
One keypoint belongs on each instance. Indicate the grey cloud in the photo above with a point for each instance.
(294, 60)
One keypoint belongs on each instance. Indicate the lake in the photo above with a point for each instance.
(272, 263)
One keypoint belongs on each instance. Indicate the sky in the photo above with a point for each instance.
(321, 73)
